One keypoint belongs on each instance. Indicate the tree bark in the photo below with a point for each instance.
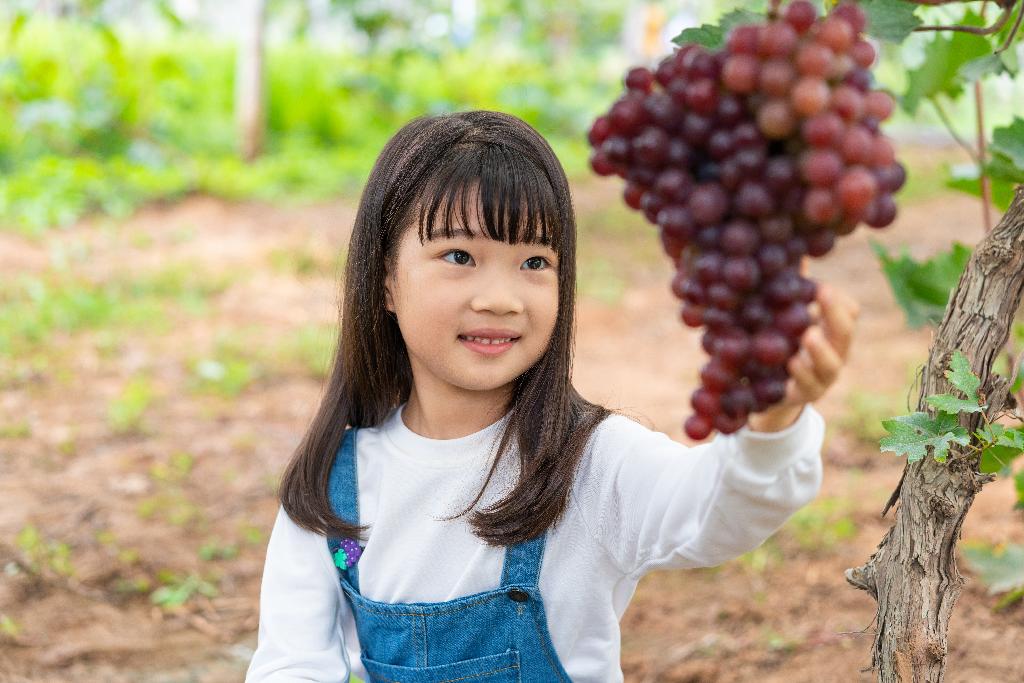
(913, 573)
(249, 81)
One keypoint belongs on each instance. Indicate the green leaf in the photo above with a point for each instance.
(1018, 482)
(712, 36)
(986, 65)
(964, 178)
(1001, 568)
(940, 72)
(1005, 446)
(913, 435)
(951, 404)
(891, 20)
(997, 459)
(961, 376)
(1008, 141)
(922, 289)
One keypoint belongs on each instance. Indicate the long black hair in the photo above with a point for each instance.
(524, 195)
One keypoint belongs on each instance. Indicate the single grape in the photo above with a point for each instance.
(882, 211)
(863, 53)
(821, 166)
(772, 259)
(777, 39)
(601, 164)
(852, 14)
(717, 376)
(740, 73)
(776, 228)
(776, 119)
(820, 242)
(633, 193)
(857, 146)
(770, 347)
(692, 314)
(769, 391)
(823, 130)
(705, 402)
(722, 296)
(617, 148)
(737, 401)
(707, 267)
(650, 146)
(820, 206)
(810, 96)
(793, 320)
(720, 145)
(780, 172)
(708, 203)
(814, 59)
(677, 222)
(777, 77)
(743, 40)
(741, 273)
(847, 101)
(836, 34)
(754, 200)
(800, 14)
(627, 115)
(698, 427)
(640, 79)
(674, 184)
(663, 111)
(599, 130)
(729, 425)
(857, 189)
(740, 238)
(702, 96)
(878, 104)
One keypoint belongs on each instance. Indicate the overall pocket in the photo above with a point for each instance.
(503, 668)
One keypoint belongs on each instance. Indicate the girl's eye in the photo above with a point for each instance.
(457, 251)
(462, 256)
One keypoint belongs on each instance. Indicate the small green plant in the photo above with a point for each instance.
(16, 430)
(178, 590)
(125, 413)
(175, 470)
(43, 554)
(822, 524)
(1001, 568)
(214, 549)
(9, 627)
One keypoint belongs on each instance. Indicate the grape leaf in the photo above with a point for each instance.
(964, 178)
(976, 69)
(913, 435)
(922, 289)
(891, 20)
(712, 36)
(1001, 568)
(1008, 444)
(1008, 141)
(1018, 482)
(940, 71)
(948, 403)
(960, 375)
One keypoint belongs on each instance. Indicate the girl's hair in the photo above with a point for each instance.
(434, 163)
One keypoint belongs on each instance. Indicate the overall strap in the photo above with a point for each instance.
(522, 562)
(343, 491)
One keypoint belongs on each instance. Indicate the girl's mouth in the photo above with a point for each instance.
(488, 347)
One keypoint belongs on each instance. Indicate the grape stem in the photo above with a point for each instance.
(977, 30)
(952, 131)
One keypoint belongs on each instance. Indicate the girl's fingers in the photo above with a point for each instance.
(826, 362)
(839, 313)
(806, 381)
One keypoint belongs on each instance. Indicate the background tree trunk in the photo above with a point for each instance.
(913, 573)
(249, 81)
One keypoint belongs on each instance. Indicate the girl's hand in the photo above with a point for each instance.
(824, 347)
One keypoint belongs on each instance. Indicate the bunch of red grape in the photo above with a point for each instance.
(748, 159)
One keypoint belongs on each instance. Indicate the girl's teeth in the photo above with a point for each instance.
(482, 340)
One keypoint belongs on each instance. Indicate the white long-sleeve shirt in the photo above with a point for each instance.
(640, 501)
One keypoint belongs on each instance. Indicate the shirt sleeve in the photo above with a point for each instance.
(300, 636)
(655, 503)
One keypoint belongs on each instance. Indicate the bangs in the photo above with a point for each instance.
(514, 200)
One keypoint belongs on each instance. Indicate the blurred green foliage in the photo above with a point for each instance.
(119, 118)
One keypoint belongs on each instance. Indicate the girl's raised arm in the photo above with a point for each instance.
(300, 636)
(655, 503)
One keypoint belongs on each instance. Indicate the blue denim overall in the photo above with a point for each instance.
(497, 636)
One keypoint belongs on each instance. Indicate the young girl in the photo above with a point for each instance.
(451, 391)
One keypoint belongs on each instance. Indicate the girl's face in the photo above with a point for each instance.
(445, 289)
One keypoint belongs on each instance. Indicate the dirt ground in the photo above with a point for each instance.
(171, 485)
